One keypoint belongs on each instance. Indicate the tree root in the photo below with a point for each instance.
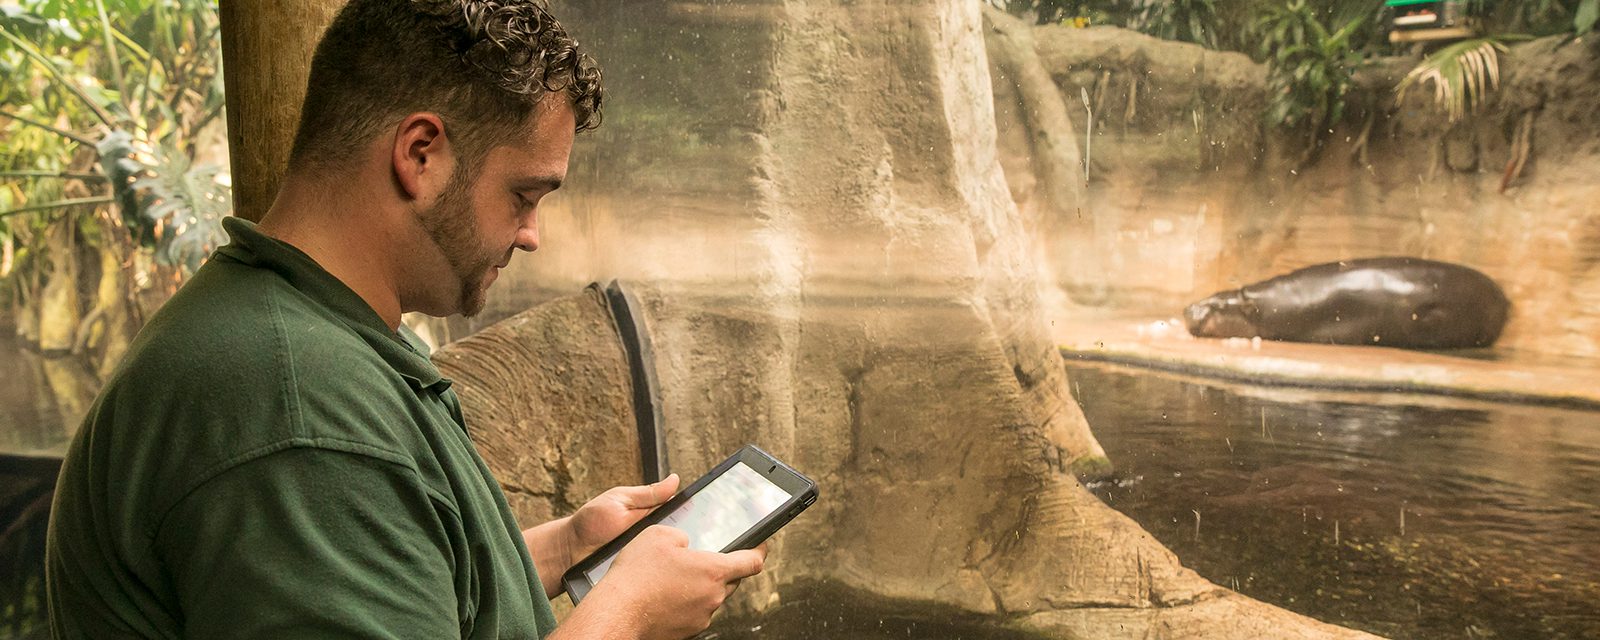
(1521, 148)
(1108, 578)
(1222, 615)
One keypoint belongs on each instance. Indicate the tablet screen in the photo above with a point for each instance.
(727, 507)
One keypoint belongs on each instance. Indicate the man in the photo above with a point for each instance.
(277, 458)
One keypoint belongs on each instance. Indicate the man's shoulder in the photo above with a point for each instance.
(238, 365)
(239, 324)
(232, 314)
(237, 359)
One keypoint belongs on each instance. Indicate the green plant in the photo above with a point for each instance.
(129, 85)
(183, 205)
(110, 146)
(1583, 20)
(1309, 68)
(1461, 74)
(1538, 17)
(1100, 12)
(1183, 20)
(170, 93)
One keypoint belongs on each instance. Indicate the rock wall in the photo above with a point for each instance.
(808, 200)
(1190, 193)
(547, 398)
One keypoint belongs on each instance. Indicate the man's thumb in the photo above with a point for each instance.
(651, 495)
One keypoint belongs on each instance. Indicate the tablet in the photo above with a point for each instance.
(739, 504)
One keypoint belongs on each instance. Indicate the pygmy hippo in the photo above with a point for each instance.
(1396, 302)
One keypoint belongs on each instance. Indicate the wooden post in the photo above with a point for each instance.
(266, 52)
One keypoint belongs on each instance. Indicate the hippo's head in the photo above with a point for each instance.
(1229, 314)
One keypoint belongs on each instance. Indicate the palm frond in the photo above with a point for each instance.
(1461, 74)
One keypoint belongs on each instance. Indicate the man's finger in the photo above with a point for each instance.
(647, 496)
(673, 536)
(733, 585)
(738, 565)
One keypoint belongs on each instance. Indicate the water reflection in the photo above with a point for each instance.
(31, 412)
(1406, 516)
(26, 485)
(815, 610)
(32, 437)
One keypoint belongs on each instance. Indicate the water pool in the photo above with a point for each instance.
(1407, 516)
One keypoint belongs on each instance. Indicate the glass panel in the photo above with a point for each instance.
(1322, 275)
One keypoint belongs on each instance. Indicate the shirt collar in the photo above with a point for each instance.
(403, 350)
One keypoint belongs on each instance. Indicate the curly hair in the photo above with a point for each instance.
(482, 65)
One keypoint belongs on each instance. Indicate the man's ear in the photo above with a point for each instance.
(423, 158)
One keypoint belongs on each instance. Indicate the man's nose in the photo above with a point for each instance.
(528, 238)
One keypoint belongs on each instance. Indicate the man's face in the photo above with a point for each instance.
(482, 219)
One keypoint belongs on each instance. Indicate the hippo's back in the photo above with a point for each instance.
(1390, 301)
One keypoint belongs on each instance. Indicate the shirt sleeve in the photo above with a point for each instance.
(313, 543)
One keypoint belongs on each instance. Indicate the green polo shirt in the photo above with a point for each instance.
(272, 461)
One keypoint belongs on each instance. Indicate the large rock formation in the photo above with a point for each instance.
(809, 198)
(549, 400)
(1191, 193)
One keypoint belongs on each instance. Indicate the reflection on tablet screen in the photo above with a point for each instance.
(714, 517)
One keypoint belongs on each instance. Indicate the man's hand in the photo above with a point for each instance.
(558, 544)
(660, 589)
(605, 517)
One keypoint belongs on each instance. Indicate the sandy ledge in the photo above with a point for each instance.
(1166, 345)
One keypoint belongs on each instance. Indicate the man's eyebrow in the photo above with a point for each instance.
(548, 183)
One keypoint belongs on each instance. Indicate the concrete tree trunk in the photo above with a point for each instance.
(266, 52)
(1065, 234)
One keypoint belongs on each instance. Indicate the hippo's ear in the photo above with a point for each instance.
(1247, 305)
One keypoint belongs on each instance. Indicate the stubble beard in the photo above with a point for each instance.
(453, 228)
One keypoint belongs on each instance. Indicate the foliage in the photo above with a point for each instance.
(1312, 47)
(1309, 66)
(1583, 20)
(169, 202)
(1216, 24)
(1107, 12)
(183, 205)
(1183, 20)
(1537, 17)
(1461, 74)
(136, 79)
(1464, 72)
